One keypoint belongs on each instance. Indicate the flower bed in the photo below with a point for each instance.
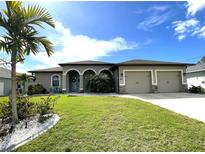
(23, 132)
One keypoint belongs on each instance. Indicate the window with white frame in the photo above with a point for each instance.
(55, 81)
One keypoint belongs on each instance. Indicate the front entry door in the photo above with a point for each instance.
(74, 83)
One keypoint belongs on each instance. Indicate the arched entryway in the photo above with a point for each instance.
(86, 76)
(106, 73)
(74, 81)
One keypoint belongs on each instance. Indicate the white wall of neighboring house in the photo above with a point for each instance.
(1, 88)
(5, 82)
(196, 79)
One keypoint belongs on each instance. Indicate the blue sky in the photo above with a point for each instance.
(119, 31)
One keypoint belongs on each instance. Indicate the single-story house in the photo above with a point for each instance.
(133, 76)
(5, 82)
(196, 75)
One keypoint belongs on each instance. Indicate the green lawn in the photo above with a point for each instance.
(2, 99)
(91, 123)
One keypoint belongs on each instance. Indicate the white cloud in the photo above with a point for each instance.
(200, 32)
(181, 37)
(191, 26)
(159, 14)
(22, 68)
(153, 9)
(160, 8)
(71, 47)
(80, 47)
(153, 21)
(193, 6)
(182, 28)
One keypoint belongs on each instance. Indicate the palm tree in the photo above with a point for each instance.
(22, 78)
(21, 37)
(202, 61)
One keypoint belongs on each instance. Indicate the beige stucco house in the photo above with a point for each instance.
(134, 76)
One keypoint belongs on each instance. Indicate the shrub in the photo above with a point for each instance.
(100, 84)
(5, 112)
(197, 90)
(36, 89)
(27, 108)
(39, 89)
(45, 107)
(30, 90)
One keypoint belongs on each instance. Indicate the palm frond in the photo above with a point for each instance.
(36, 15)
(11, 7)
(47, 44)
(4, 23)
(21, 34)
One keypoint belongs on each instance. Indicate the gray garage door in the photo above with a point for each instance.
(169, 81)
(138, 82)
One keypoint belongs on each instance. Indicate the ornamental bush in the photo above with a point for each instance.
(27, 108)
(197, 90)
(36, 89)
(100, 84)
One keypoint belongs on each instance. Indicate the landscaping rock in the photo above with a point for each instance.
(21, 134)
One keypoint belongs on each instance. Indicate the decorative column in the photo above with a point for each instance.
(64, 83)
(81, 83)
(154, 81)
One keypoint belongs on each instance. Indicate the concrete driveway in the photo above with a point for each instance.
(191, 105)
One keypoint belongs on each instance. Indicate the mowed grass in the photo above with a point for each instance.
(3, 99)
(94, 123)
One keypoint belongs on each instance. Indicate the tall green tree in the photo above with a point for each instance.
(202, 60)
(22, 38)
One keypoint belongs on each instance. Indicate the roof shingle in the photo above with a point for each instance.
(53, 69)
(150, 62)
(87, 62)
(135, 62)
(196, 68)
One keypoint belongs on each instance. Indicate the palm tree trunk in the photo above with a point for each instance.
(13, 89)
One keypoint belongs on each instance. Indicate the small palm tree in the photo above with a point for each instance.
(21, 37)
(22, 78)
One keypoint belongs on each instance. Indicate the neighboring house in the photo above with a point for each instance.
(134, 76)
(5, 82)
(196, 75)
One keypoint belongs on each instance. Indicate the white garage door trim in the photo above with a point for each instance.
(1, 88)
(170, 70)
(137, 70)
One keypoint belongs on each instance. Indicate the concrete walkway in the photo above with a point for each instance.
(191, 105)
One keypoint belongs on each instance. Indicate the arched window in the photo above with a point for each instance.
(55, 81)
